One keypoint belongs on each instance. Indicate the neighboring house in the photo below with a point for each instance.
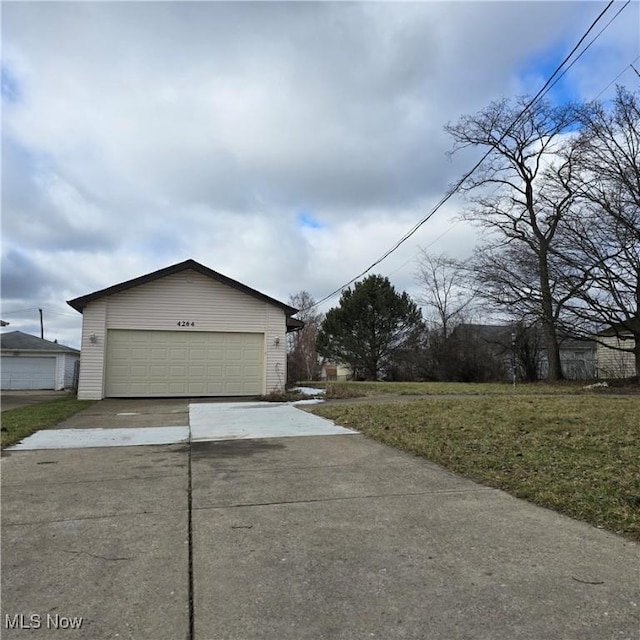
(185, 330)
(577, 357)
(29, 362)
(335, 371)
(613, 363)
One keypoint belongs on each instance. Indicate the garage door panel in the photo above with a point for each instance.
(176, 363)
(25, 372)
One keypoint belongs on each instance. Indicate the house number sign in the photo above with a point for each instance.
(186, 323)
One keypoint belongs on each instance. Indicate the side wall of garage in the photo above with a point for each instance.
(187, 301)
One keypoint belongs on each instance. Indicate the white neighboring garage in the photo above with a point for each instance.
(29, 362)
(185, 330)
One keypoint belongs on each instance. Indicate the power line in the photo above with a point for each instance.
(630, 65)
(452, 191)
(624, 6)
(10, 313)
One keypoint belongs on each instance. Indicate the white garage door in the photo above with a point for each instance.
(23, 372)
(174, 363)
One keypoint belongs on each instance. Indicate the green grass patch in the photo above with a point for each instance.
(356, 389)
(577, 455)
(19, 423)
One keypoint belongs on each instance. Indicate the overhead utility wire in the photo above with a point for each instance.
(404, 264)
(629, 66)
(622, 8)
(453, 190)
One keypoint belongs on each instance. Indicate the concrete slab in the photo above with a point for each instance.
(110, 547)
(248, 420)
(451, 561)
(88, 438)
(125, 576)
(131, 413)
(220, 485)
(32, 468)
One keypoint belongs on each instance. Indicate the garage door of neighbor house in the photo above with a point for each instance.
(174, 363)
(23, 372)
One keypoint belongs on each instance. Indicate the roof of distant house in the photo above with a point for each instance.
(19, 341)
(501, 334)
(622, 328)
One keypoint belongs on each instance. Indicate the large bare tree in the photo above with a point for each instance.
(601, 238)
(520, 211)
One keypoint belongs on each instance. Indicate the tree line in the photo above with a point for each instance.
(558, 199)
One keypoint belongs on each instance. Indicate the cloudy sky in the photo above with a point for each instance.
(286, 145)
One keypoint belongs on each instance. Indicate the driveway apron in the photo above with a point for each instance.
(259, 537)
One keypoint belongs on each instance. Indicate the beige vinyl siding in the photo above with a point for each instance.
(613, 363)
(91, 385)
(276, 355)
(187, 296)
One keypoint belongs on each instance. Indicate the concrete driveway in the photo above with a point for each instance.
(329, 536)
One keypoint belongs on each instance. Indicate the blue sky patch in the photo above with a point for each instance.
(538, 69)
(9, 87)
(307, 221)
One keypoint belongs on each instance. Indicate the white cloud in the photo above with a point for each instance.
(137, 135)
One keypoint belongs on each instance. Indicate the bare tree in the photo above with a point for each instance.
(521, 210)
(601, 243)
(442, 282)
(302, 354)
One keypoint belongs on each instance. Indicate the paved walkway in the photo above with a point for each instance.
(294, 538)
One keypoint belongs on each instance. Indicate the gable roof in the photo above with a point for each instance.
(80, 303)
(19, 341)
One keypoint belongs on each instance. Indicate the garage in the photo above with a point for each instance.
(28, 373)
(184, 330)
(171, 363)
(32, 363)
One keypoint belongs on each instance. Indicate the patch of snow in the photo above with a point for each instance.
(597, 385)
(309, 391)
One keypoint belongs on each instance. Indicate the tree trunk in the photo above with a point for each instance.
(554, 372)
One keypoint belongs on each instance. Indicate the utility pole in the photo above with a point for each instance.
(41, 325)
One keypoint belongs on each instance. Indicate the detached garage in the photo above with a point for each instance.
(185, 330)
(29, 362)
